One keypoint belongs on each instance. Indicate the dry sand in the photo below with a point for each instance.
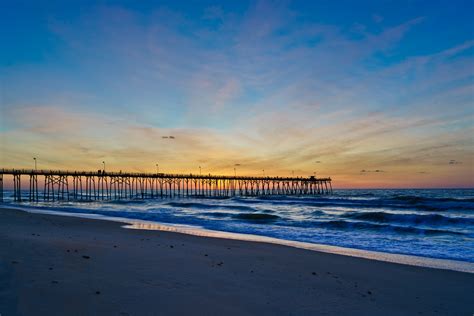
(54, 265)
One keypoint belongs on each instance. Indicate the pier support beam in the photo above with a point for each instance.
(17, 187)
(1, 187)
(33, 194)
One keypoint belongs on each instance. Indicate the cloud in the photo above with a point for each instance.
(214, 13)
(269, 89)
(377, 18)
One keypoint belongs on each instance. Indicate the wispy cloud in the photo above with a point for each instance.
(263, 88)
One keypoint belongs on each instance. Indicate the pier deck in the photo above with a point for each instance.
(104, 185)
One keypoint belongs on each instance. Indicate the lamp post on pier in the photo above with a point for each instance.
(103, 162)
(36, 168)
(199, 170)
(157, 169)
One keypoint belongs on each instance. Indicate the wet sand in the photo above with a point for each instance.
(54, 265)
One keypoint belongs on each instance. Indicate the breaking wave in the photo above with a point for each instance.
(430, 223)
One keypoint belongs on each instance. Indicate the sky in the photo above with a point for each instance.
(374, 94)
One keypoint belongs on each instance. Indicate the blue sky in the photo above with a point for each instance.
(375, 85)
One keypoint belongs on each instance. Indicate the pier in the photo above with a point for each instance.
(60, 185)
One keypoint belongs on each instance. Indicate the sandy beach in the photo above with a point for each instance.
(54, 265)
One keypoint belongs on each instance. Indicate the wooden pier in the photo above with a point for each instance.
(88, 186)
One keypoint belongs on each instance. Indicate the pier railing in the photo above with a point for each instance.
(105, 185)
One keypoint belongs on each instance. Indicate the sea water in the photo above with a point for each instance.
(427, 223)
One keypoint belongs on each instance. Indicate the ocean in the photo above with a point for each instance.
(426, 223)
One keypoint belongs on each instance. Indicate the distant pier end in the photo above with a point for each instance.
(101, 185)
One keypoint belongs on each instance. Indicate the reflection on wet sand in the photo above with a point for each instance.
(373, 255)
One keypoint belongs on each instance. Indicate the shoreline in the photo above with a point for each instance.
(412, 260)
(60, 265)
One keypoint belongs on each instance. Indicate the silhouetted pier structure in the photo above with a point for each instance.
(101, 185)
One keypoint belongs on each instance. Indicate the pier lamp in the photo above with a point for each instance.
(263, 172)
(157, 169)
(36, 168)
(104, 164)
